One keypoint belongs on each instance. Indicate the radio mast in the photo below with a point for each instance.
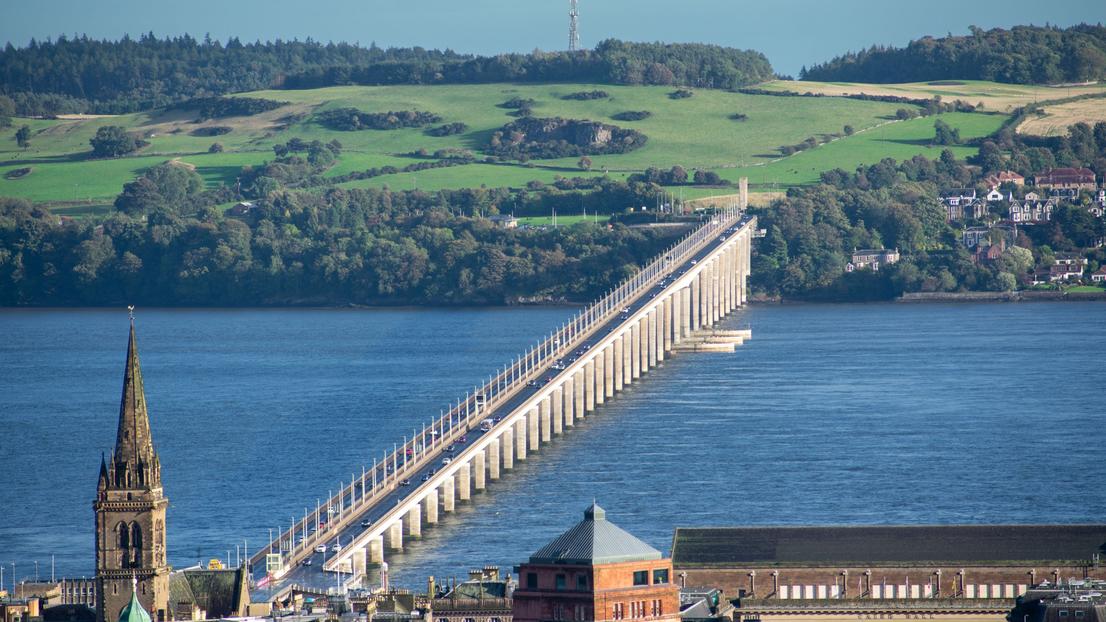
(573, 34)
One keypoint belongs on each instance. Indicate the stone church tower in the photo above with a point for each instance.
(130, 511)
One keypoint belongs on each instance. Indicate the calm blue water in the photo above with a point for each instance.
(831, 414)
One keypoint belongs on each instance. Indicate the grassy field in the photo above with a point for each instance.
(694, 133)
(1057, 118)
(993, 95)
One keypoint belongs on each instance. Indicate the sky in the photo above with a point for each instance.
(792, 33)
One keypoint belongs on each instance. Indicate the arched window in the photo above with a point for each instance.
(123, 536)
(136, 545)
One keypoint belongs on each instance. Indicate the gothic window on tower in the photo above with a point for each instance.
(136, 545)
(124, 543)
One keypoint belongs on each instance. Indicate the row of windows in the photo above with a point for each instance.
(638, 609)
(660, 576)
(560, 581)
(1078, 613)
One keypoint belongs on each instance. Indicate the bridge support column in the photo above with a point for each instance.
(745, 255)
(685, 311)
(578, 396)
(627, 356)
(393, 537)
(635, 350)
(666, 326)
(430, 507)
(716, 285)
(480, 470)
(570, 401)
(376, 550)
(589, 385)
(359, 561)
(533, 441)
(652, 330)
(618, 362)
(557, 410)
(508, 448)
(696, 310)
(464, 482)
(520, 438)
(493, 459)
(643, 344)
(545, 419)
(449, 495)
(413, 520)
(731, 258)
(608, 371)
(600, 378)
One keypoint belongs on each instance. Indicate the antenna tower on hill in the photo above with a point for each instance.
(573, 33)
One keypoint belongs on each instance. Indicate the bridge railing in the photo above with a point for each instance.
(384, 475)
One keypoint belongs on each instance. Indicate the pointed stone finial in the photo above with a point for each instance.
(130, 311)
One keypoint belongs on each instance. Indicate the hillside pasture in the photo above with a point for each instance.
(994, 96)
(1056, 119)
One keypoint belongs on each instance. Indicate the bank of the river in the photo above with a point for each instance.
(1018, 296)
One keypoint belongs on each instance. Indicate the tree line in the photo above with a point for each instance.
(1020, 55)
(81, 74)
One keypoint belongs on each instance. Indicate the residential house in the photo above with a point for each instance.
(504, 221)
(1101, 198)
(1067, 267)
(1061, 195)
(872, 258)
(972, 236)
(1079, 178)
(1031, 210)
(1099, 276)
(987, 254)
(962, 203)
(995, 196)
(995, 180)
(241, 209)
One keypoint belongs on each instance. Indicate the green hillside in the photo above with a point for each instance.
(695, 132)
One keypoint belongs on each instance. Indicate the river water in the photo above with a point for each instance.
(832, 414)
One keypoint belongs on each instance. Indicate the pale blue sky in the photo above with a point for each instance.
(790, 32)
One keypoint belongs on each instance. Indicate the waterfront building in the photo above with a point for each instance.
(786, 573)
(597, 572)
(1071, 601)
(872, 259)
(130, 509)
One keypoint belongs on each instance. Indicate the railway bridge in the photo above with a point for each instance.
(607, 346)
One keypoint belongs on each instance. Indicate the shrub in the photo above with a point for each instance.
(680, 94)
(632, 115)
(739, 116)
(351, 119)
(211, 130)
(585, 95)
(532, 137)
(215, 148)
(447, 130)
(218, 107)
(112, 141)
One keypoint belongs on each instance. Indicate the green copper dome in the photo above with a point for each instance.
(134, 612)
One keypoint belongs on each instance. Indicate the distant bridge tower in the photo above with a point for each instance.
(573, 33)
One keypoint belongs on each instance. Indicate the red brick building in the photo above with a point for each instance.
(596, 572)
(1061, 178)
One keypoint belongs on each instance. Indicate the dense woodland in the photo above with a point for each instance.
(1021, 55)
(72, 75)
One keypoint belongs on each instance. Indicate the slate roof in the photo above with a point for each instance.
(884, 545)
(220, 593)
(594, 540)
(479, 589)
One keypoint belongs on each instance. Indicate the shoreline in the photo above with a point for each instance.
(1016, 296)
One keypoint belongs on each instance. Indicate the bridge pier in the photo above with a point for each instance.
(651, 327)
(578, 396)
(569, 401)
(449, 495)
(608, 371)
(376, 550)
(430, 507)
(508, 440)
(520, 438)
(635, 350)
(393, 537)
(600, 373)
(685, 312)
(493, 459)
(643, 346)
(589, 386)
(359, 561)
(413, 521)
(533, 420)
(696, 303)
(618, 361)
(666, 325)
(464, 482)
(479, 470)
(544, 423)
(557, 412)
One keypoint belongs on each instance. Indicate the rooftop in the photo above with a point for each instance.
(594, 540)
(885, 545)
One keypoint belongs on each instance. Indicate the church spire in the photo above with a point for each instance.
(134, 459)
